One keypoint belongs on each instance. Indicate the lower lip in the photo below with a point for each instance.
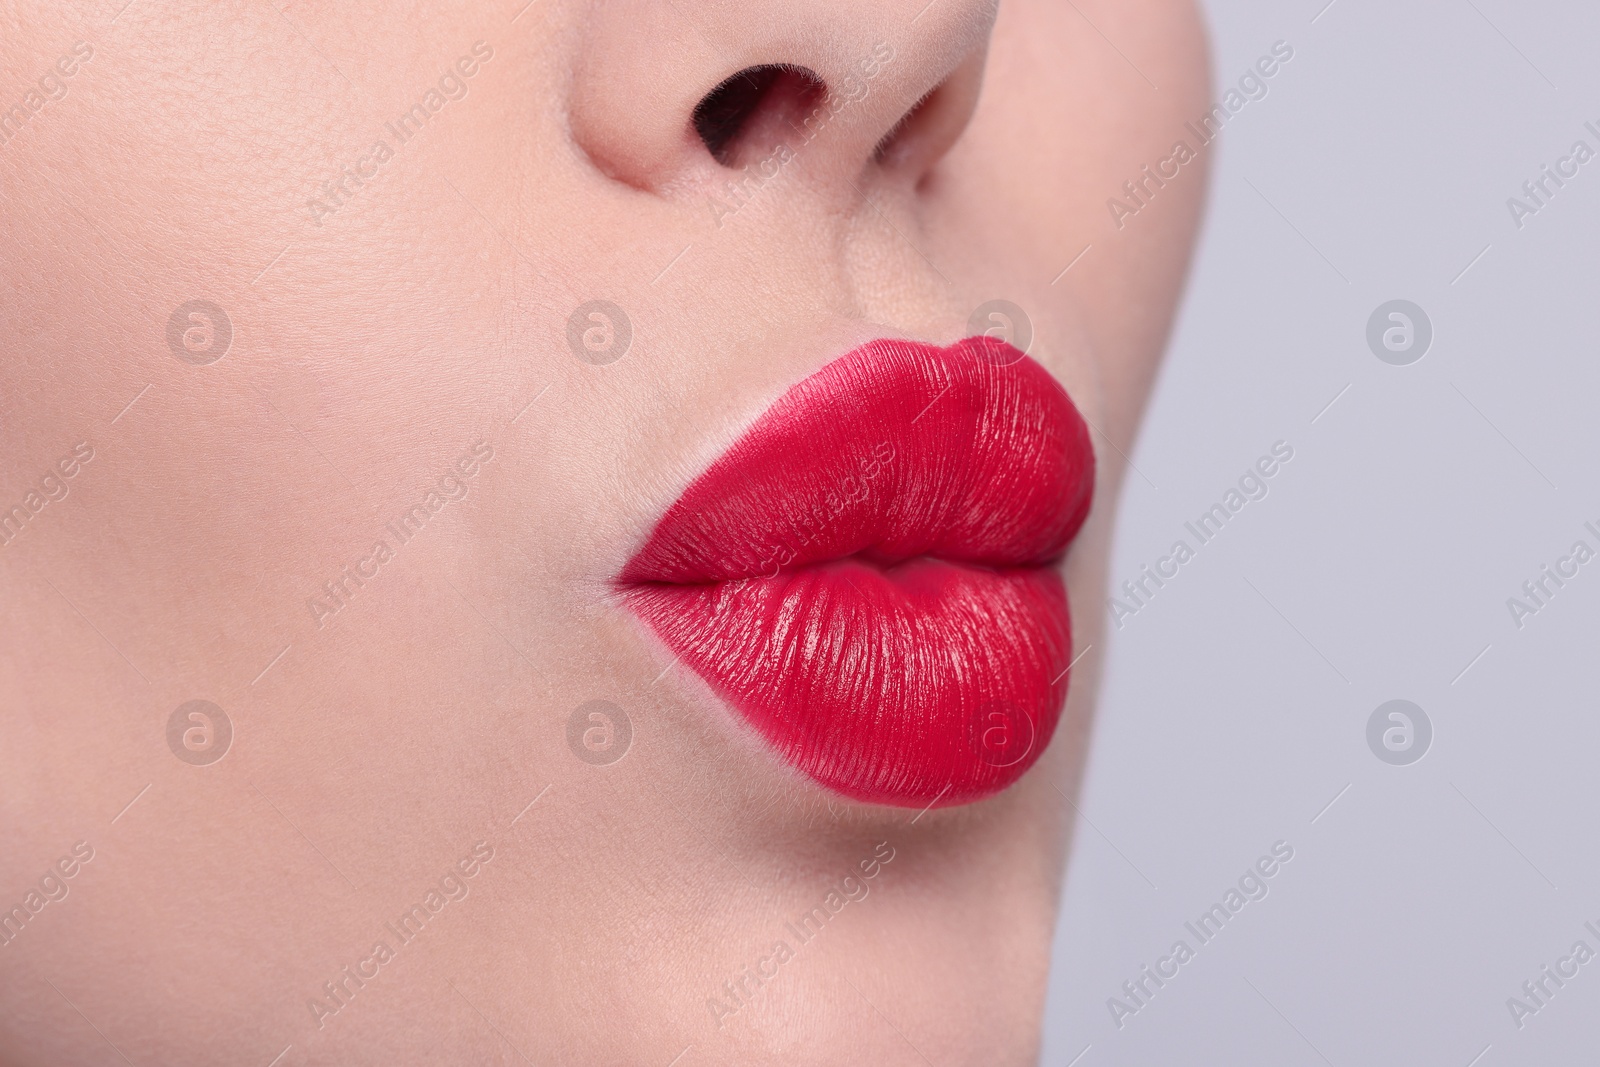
(868, 574)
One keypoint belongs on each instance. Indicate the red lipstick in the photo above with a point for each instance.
(867, 575)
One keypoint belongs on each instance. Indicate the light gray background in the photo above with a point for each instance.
(1378, 167)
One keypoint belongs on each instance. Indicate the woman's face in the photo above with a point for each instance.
(379, 340)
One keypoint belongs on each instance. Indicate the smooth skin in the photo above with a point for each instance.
(378, 335)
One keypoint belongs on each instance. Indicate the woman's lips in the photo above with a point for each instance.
(867, 574)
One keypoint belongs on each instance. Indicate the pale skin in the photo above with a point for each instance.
(375, 340)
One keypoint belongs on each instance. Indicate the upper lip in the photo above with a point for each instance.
(826, 469)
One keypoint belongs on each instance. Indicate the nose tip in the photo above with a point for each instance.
(662, 98)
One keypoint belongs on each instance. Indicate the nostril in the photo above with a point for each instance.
(892, 146)
(928, 129)
(751, 110)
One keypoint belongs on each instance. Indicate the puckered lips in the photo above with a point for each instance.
(868, 574)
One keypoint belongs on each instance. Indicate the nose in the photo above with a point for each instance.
(671, 93)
